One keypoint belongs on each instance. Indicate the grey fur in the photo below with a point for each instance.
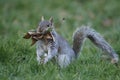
(87, 32)
(65, 54)
(59, 48)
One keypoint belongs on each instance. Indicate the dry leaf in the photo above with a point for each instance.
(48, 36)
(33, 41)
(37, 36)
(27, 36)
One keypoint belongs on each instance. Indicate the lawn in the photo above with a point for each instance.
(18, 58)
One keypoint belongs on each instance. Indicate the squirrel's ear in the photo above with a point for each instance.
(42, 18)
(51, 19)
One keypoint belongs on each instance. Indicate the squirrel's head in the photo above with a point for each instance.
(45, 25)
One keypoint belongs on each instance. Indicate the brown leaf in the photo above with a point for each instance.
(33, 41)
(33, 33)
(40, 37)
(37, 36)
(27, 36)
(48, 36)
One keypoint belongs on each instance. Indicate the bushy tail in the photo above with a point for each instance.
(86, 32)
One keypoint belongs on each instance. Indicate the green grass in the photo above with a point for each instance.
(18, 58)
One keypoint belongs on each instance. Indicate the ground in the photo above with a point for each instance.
(18, 58)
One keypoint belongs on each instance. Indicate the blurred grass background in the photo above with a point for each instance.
(18, 58)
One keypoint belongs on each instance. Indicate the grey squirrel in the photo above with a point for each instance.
(59, 48)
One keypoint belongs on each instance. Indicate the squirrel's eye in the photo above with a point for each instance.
(48, 25)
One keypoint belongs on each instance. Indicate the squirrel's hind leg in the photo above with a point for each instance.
(63, 60)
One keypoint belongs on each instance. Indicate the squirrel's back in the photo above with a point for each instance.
(64, 47)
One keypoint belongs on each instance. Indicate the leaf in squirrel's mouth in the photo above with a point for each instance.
(35, 36)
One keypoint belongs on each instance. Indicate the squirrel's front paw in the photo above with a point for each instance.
(45, 60)
(40, 61)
